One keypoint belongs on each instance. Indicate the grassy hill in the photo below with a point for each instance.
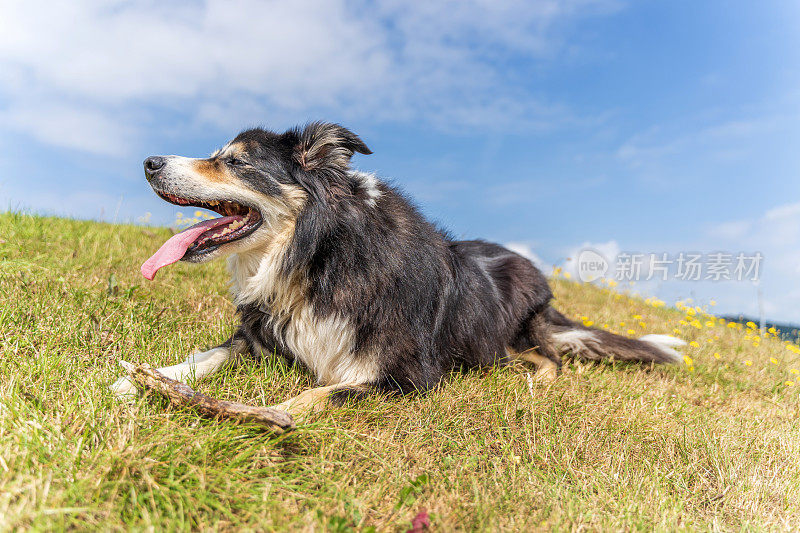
(710, 444)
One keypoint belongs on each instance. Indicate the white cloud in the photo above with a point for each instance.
(779, 268)
(777, 230)
(717, 140)
(243, 60)
(112, 52)
(83, 128)
(730, 230)
(788, 212)
(775, 234)
(609, 250)
(525, 249)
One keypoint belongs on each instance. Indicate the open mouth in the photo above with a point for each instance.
(236, 222)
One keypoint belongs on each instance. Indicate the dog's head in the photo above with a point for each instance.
(257, 182)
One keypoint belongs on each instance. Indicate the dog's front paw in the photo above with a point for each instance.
(123, 388)
(546, 373)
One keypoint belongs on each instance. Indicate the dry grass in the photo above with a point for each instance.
(604, 447)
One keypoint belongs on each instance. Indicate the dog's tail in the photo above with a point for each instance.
(556, 335)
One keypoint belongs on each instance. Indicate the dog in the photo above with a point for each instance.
(337, 271)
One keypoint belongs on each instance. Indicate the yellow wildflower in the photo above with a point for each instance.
(694, 344)
(748, 362)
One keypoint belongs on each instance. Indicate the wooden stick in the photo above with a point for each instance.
(183, 395)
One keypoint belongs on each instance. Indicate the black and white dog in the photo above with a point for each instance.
(335, 270)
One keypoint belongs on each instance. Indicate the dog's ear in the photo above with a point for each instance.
(324, 145)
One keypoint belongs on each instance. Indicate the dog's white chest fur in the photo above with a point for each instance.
(324, 345)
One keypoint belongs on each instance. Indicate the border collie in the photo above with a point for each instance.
(337, 271)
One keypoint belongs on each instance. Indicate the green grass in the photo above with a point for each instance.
(713, 445)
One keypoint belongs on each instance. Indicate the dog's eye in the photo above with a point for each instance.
(236, 162)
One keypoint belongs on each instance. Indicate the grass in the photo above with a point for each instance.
(712, 444)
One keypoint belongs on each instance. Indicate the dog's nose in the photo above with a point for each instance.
(153, 164)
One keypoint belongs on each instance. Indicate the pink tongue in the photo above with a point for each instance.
(172, 250)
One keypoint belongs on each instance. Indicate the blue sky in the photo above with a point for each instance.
(653, 126)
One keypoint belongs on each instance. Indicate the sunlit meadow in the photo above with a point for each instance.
(712, 443)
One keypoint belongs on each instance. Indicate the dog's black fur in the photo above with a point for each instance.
(419, 302)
